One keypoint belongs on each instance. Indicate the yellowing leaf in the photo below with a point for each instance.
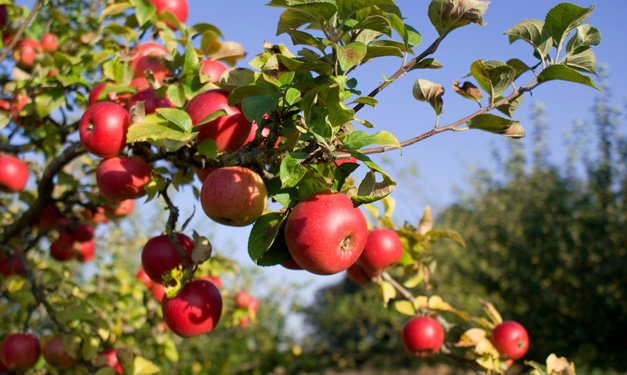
(559, 365)
(415, 280)
(490, 363)
(388, 292)
(484, 346)
(142, 366)
(405, 307)
(421, 302)
(471, 337)
(437, 303)
(492, 313)
(426, 222)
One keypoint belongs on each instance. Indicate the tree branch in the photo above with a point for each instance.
(401, 289)
(20, 30)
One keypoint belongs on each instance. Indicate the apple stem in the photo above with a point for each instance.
(171, 232)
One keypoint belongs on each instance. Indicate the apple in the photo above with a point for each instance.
(195, 310)
(144, 278)
(5, 105)
(157, 291)
(48, 217)
(422, 336)
(203, 173)
(26, 52)
(151, 101)
(147, 57)
(4, 17)
(244, 322)
(49, 42)
(358, 275)
(213, 69)
(291, 264)
(103, 129)
(214, 280)
(243, 299)
(13, 174)
(82, 232)
(159, 255)
(253, 306)
(20, 351)
(95, 215)
(62, 249)
(86, 251)
(325, 234)
(110, 358)
(120, 209)
(94, 95)
(178, 8)
(234, 196)
(122, 178)
(383, 249)
(55, 354)
(511, 340)
(229, 131)
(11, 265)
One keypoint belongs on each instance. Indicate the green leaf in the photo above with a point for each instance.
(176, 94)
(190, 64)
(303, 38)
(532, 32)
(583, 61)
(498, 125)
(428, 63)
(585, 37)
(144, 11)
(237, 77)
(291, 170)
(177, 117)
(493, 76)
(292, 96)
(368, 100)
(370, 190)
(427, 91)
(358, 139)
(292, 19)
(114, 9)
(351, 55)
(208, 148)
(376, 23)
(159, 133)
(278, 252)
(448, 15)
(263, 234)
(564, 18)
(212, 116)
(565, 73)
(519, 66)
(142, 366)
(48, 101)
(299, 65)
(255, 107)
(511, 107)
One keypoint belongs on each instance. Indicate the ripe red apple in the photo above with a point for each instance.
(151, 101)
(26, 52)
(4, 16)
(358, 275)
(234, 196)
(383, 249)
(122, 178)
(103, 129)
(11, 265)
(49, 42)
(48, 217)
(229, 131)
(94, 95)
(19, 351)
(13, 174)
(158, 292)
(511, 340)
(325, 234)
(213, 69)
(291, 264)
(82, 232)
(95, 215)
(214, 280)
(195, 310)
(86, 250)
(422, 336)
(159, 255)
(55, 354)
(62, 249)
(120, 209)
(203, 173)
(147, 57)
(110, 358)
(178, 8)
(244, 322)
(253, 306)
(144, 278)
(243, 299)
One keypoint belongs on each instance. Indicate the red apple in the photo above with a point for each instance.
(86, 250)
(229, 131)
(55, 354)
(383, 249)
(213, 69)
(49, 42)
(122, 178)
(95, 215)
(325, 234)
(110, 358)
(511, 340)
(151, 101)
(48, 217)
(94, 95)
(358, 275)
(234, 196)
(243, 299)
(62, 249)
(26, 52)
(5, 105)
(4, 16)
(20, 351)
(244, 322)
(159, 255)
(178, 8)
(13, 174)
(195, 310)
(214, 280)
(82, 232)
(291, 264)
(120, 209)
(157, 291)
(422, 336)
(253, 306)
(147, 57)
(103, 129)
(144, 278)
(203, 173)
(11, 265)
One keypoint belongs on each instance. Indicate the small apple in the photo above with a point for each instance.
(159, 255)
(122, 178)
(62, 249)
(253, 306)
(244, 322)
(151, 101)
(291, 264)
(229, 131)
(95, 215)
(383, 249)
(110, 358)
(214, 280)
(234, 196)
(13, 174)
(20, 351)
(55, 354)
(103, 129)
(213, 69)
(511, 340)
(203, 173)
(195, 310)
(325, 234)
(49, 42)
(422, 336)
(158, 292)
(120, 209)
(147, 57)
(4, 16)
(82, 232)
(86, 250)
(144, 278)
(11, 265)
(179, 8)
(243, 299)
(48, 217)
(26, 52)
(358, 275)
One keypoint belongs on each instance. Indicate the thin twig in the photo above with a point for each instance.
(401, 289)
(20, 30)
(171, 232)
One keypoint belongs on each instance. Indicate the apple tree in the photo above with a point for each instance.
(108, 102)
